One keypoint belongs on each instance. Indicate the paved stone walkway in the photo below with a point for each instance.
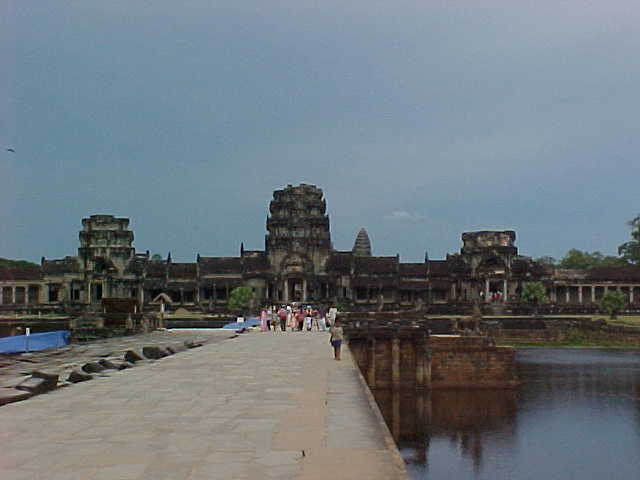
(260, 406)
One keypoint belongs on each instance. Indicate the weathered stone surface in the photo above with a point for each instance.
(108, 364)
(77, 377)
(132, 356)
(10, 395)
(189, 344)
(154, 352)
(93, 367)
(125, 365)
(38, 383)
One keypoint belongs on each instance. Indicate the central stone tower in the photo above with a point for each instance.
(298, 242)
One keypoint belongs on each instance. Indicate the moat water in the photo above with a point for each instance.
(577, 415)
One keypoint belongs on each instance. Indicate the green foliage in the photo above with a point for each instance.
(8, 263)
(613, 302)
(534, 292)
(240, 299)
(156, 257)
(630, 251)
(579, 260)
(546, 260)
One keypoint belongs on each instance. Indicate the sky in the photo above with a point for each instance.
(419, 120)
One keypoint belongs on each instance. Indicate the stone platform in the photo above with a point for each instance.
(260, 406)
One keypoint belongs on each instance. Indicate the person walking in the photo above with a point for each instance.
(263, 320)
(322, 318)
(282, 316)
(337, 335)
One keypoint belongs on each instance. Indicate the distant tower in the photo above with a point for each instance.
(298, 238)
(362, 245)
(105, 242)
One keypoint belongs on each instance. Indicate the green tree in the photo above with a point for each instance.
(613, 302)
(156, 257)
(8, 263)
(579, 260)
(630, 251)
(240, 299)
(534, 293)
(547, 260)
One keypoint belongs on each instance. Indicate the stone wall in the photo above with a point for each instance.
(471, 362)
(407, 357)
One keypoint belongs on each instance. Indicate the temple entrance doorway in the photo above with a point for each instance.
(295, 290)
(495, 292)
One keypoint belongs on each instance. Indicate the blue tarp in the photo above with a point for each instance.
(248, 323)
(33, 342)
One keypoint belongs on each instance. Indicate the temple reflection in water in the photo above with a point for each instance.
(463, 417)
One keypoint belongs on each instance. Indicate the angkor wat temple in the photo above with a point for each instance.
(299, 264)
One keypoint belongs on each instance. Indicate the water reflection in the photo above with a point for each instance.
(577, 413)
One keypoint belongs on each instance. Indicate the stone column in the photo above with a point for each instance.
(553, 294)
(395, 415)
(505, 290)
(286, 291)
(567, 294)
(395, 361)
(421, 362)
(580, 294)
(486, 290)
(453, 291)
(631, 293)
(593, 294)
(371, 362)
(13, 295)
(304, 289)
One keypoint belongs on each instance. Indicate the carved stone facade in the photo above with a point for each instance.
(299, 264)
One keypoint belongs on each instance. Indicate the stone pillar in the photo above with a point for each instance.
(554, 294)
(13, 295)
(580, 294)
(486, 290)
(505, 290)
(593, 294)
(567, 294)
(453, 291)
(395, 361)
(631, 293)
(423, 378)
(304, 289)
(286, 291)
(371, 362)
(395, 415)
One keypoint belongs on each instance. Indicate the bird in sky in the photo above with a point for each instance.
(11, 150)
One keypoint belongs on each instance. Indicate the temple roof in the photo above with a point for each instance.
(615, 273)
(340, 262)
(20, 273)
(182, 270)
(362, 244)
(375, 265)
(60, 267)
(413, 269)
(221, 265)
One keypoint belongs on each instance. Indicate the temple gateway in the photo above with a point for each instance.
(299, 264)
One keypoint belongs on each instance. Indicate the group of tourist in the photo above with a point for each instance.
(299, 318)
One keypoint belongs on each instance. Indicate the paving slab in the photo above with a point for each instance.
(259, 406)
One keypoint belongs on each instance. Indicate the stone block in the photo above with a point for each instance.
(38, 383)
(108, 364)
(10, 395)
(154, 352)
(132, 356)
(78, 376)
(93, 367)
(192, 344)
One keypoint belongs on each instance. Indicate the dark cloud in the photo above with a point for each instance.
(464, 116)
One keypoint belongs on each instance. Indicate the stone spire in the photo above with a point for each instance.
(362, 245)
